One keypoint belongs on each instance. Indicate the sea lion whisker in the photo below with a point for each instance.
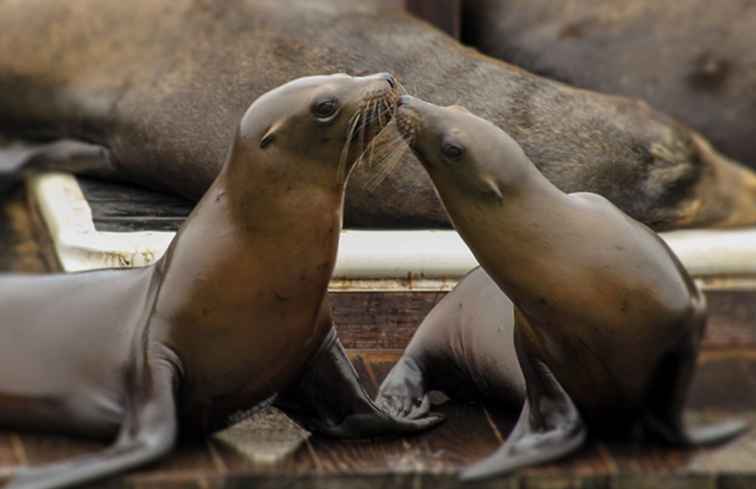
(387, 165)
(363, 131)
(400, 87)
(375, 114)
(341, 171)
(391, 148)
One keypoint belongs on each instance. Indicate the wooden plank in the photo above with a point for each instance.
(732, 315)
(380, 320)
(387, 320)
(724, 381)
(24, 245)
(11, 454)
(190, 461)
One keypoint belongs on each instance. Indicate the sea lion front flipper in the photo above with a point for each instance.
(549, 426)
(19, 159)
(148, 431)
(666, 402)
(403, 392)
(330, 399)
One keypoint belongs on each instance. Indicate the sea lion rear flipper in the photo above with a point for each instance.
(666, 402)
(549, 426)
(403, 392)
(18, 159)
(330, 399)
(148, 431)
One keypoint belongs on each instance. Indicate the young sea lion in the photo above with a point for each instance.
(161, 85)
(693, 60)
(606, 322)
(234, 315)
(464, 347)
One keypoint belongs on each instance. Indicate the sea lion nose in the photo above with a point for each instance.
(390, 79)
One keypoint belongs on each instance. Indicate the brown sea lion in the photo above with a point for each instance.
(161, 85)
(692, 59)
(464, 348)
(607, 323)
(233, 317)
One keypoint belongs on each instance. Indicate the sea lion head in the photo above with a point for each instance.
(466, 156)
(322, 123)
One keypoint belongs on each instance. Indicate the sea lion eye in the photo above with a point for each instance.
(325, 108)
(452, 150)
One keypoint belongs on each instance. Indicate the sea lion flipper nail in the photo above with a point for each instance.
(147, 433)
(330, 399)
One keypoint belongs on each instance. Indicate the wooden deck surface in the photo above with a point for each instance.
(375, 327)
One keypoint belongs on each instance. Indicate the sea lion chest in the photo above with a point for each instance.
(243, 316)
(614, 288)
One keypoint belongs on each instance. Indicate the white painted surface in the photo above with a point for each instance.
(77, 244)
(368, 260)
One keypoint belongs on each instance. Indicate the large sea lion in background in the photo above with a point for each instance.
(160, 85)
(692, 59)
(234, 316)
(606, 323)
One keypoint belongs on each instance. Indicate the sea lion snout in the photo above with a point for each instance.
(389, 79)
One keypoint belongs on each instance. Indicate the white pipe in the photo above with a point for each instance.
(414, 259)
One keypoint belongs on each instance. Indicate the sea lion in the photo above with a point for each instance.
(233, 317)
(464, 348)
(137, 78)
(607, 323)
(691, 59)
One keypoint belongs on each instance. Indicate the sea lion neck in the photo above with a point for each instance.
(274, 196)
(245, 223)
(526, 223)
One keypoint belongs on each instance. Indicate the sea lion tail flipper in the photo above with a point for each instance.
(403, 392)
(549, 426)
(19, 159)
(149, 430)
(330, 399)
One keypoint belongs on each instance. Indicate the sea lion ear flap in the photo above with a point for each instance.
(269, 135)
(493, 188)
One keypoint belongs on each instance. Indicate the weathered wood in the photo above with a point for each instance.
(732, 318)
(380, 320)
(24, 245)
(469, 434)
(387, 320)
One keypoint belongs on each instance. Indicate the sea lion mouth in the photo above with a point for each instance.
(374, 112)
